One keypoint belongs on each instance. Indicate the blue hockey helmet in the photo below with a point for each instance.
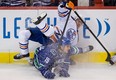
(65, 41)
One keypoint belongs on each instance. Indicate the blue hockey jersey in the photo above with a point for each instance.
(49, 56)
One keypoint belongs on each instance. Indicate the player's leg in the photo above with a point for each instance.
(38, 36)
(79, 50)
(23, 44)
(85, 49)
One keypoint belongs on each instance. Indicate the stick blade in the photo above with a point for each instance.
(108, 58)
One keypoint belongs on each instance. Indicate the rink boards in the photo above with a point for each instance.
(92, 57)
(100, 21)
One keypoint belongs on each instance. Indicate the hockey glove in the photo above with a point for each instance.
(70, 5)
(64, 73)
(49, 75)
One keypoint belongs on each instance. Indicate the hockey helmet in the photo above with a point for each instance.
(65, 41)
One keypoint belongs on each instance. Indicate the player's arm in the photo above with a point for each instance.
(44, 63)
(62, 67)
(77, 21)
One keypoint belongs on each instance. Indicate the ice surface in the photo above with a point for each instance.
(80, 71)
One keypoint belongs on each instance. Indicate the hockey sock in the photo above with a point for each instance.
(24, 49)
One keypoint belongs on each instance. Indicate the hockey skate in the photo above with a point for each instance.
(20, 56)
(88, 49)
(39, 19)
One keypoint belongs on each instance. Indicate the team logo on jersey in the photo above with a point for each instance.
(53, 51)
(71, 34)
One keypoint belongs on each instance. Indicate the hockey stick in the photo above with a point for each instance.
(108, 54)
(60, 40)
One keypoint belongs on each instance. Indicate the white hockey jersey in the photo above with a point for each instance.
(71, 28)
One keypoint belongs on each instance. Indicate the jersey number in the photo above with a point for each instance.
(47, 59)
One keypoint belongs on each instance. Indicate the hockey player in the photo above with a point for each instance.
(74, 23)
(54, 59)
(43, 33)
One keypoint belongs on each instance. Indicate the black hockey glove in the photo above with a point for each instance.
(49, 75)
(64, 73)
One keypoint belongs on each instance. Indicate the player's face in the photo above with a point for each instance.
(66, 48)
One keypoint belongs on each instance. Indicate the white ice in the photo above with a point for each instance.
(80, 71)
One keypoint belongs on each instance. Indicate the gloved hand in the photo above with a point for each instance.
(64, 73)
(70, 5)
(49, 75)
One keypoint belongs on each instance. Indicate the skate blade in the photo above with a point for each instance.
(23, 60)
